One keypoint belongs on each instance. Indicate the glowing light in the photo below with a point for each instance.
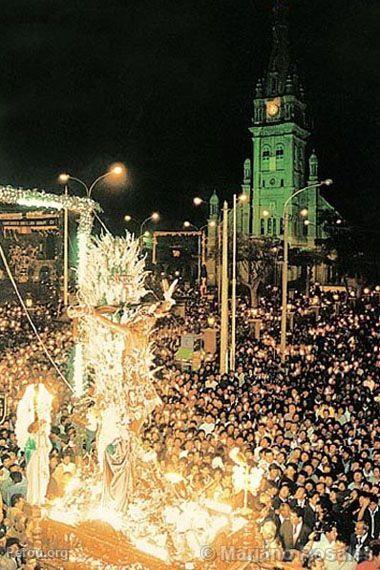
(327, 182)
(306, 222)
(108, 515)
(212, 224)
(366, 291)
(265, 213)
(237, 457)
(127, 218)
(64, 178)
(155, 217)
(146, 234)
(117, 169)
(186, 224)
(174, 477)
(304, 212)
(41, 203)
(197, 201)
(243, 198)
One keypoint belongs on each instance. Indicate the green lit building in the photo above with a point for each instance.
(281, 160)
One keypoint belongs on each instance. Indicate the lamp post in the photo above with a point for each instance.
(66, 252)
(242, 198)
(128, 219)
(155, 217)
(201, 242)
(233, 291)
(64, 179)
(116, 170)
(224, 295)
(327, 182)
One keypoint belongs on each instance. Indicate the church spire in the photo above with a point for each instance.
(279, 64)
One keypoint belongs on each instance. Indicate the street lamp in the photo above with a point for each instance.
(116, 170)
(154, 217)
(128, 219)
(187, 225)
(64, 178)
(327, 182)
(197, 201)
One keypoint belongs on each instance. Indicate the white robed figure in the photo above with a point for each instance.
(33, 426)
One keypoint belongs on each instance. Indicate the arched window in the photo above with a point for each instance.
(269, 226)
(281, 225)
(274, 226)
(262, 226)
(279, 156)
(266, 157)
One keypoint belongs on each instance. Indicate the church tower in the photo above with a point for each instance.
(279, 135)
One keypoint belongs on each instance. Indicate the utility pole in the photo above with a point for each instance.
(284, 300)
(224, 295)
(233, 302)
(66, 253)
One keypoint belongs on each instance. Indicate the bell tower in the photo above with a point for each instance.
(279, 134)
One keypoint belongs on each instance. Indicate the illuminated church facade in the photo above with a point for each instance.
(280, 162)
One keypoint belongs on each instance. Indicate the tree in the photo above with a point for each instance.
(355, 250)
(306, 260)
(256, 258)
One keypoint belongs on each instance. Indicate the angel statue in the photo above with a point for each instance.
(33, 431)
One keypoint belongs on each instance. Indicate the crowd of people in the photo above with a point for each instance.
(310, 425)
(22, 361)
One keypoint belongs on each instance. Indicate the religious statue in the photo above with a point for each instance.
(120, 418)
(33, 431)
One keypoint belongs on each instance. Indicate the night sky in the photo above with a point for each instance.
(166, 86)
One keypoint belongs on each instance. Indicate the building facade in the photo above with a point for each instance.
(281, 162)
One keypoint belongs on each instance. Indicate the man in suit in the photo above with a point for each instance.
(281, 515)
(282, 497)
(299, 499)
(371, 517)
(311, 510)
(359, 542)
(294, 533)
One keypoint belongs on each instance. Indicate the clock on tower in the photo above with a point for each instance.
(273, 108)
